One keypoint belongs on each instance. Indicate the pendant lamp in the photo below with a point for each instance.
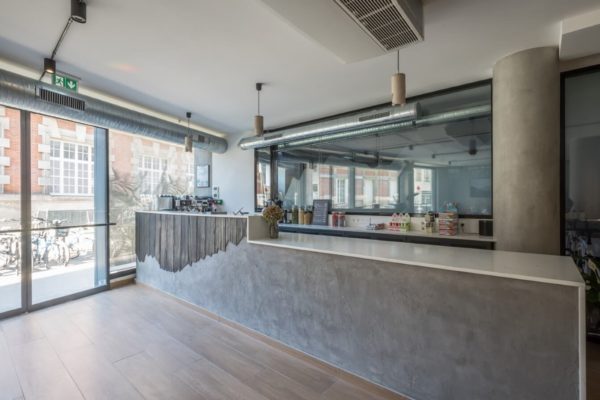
(188, 137)
(398, 85)
(259, 126)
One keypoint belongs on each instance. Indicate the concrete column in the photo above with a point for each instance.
(526, 141)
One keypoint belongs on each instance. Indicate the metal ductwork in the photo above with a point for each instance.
(360, 125)
(27, 94)
(389, 115)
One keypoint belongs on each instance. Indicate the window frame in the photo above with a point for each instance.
(77, 163)
(564, 75)
(150, 173)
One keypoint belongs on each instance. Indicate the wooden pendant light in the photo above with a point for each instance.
(259, 123)
(398, 89)
(398, 85)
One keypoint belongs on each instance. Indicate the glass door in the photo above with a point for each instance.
(68, 208)
(11, 277)
(53, 210)
(581, 183)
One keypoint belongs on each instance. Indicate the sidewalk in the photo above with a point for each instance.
(48, 284)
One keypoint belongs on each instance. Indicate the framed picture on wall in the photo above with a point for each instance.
(203, 176)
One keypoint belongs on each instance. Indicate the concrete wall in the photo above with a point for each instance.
(233, 173)
(526, 141)
(426, 333)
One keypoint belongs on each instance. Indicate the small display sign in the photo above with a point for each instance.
(321, 212)
(65, 82)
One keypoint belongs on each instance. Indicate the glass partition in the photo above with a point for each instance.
(68, 207)
(263, 177)
(10, 210)
(582, 183)
(446, 157)
(141, 169)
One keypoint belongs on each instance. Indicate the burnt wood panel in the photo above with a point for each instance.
(177, 241)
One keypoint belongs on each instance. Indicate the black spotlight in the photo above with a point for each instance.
(49, 66)
(472, 147)
(78, 11)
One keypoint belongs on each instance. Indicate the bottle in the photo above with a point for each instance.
(301, 216)
(295, 215)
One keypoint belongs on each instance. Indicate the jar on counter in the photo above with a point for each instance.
(341, 219)
(334, 218)
(301, 216)
(308, 218)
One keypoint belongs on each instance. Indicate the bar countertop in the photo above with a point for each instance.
(413, 233)
(196, 214)
(559, 270)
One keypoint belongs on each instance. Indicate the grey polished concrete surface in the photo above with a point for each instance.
(526, 101)
(428, 334)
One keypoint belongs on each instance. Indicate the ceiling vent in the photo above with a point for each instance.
(354, 30)
(391, 23)
(61, 99)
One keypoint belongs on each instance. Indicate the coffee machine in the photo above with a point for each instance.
(166, 202)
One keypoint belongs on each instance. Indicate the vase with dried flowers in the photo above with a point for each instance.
(273, 214)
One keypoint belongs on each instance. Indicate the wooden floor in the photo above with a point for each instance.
(135, 343)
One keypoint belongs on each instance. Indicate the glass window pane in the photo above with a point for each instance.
(66, 260)
(10, 209)
(409, 169)
(263, 177)
(141, 169)
(340, 187)
(582, 184)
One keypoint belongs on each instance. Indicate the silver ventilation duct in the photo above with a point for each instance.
(409, 112)
(27, 94)
(340, 129)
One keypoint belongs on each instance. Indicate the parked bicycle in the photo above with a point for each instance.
(49, 247)
(10, 252)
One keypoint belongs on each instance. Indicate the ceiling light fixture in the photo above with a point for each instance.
(259, 126)
(398, 85)
(79, 11)
(78, 14)
(188, 137)
(472, 147)
(49, 66)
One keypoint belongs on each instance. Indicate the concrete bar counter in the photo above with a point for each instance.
(425, 321)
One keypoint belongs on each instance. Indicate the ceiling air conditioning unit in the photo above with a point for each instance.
(355, 30)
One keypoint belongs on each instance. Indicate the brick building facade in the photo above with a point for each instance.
(62, 175)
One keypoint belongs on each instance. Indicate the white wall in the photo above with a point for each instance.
(233, 172)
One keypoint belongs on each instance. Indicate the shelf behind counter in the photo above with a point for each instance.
(461, 240)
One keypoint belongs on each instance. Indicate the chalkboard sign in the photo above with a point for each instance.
(321, 212)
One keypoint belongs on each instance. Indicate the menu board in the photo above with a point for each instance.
(321, 212)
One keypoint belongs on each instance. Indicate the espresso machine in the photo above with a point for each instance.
(166, 202)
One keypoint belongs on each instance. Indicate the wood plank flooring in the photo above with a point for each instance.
(135, 343)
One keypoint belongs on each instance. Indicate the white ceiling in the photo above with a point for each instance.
(205, 55)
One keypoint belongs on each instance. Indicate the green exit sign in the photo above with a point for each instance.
(65, 82)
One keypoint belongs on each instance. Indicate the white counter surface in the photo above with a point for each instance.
(559, 270)
(196, 214)
(462, 236)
